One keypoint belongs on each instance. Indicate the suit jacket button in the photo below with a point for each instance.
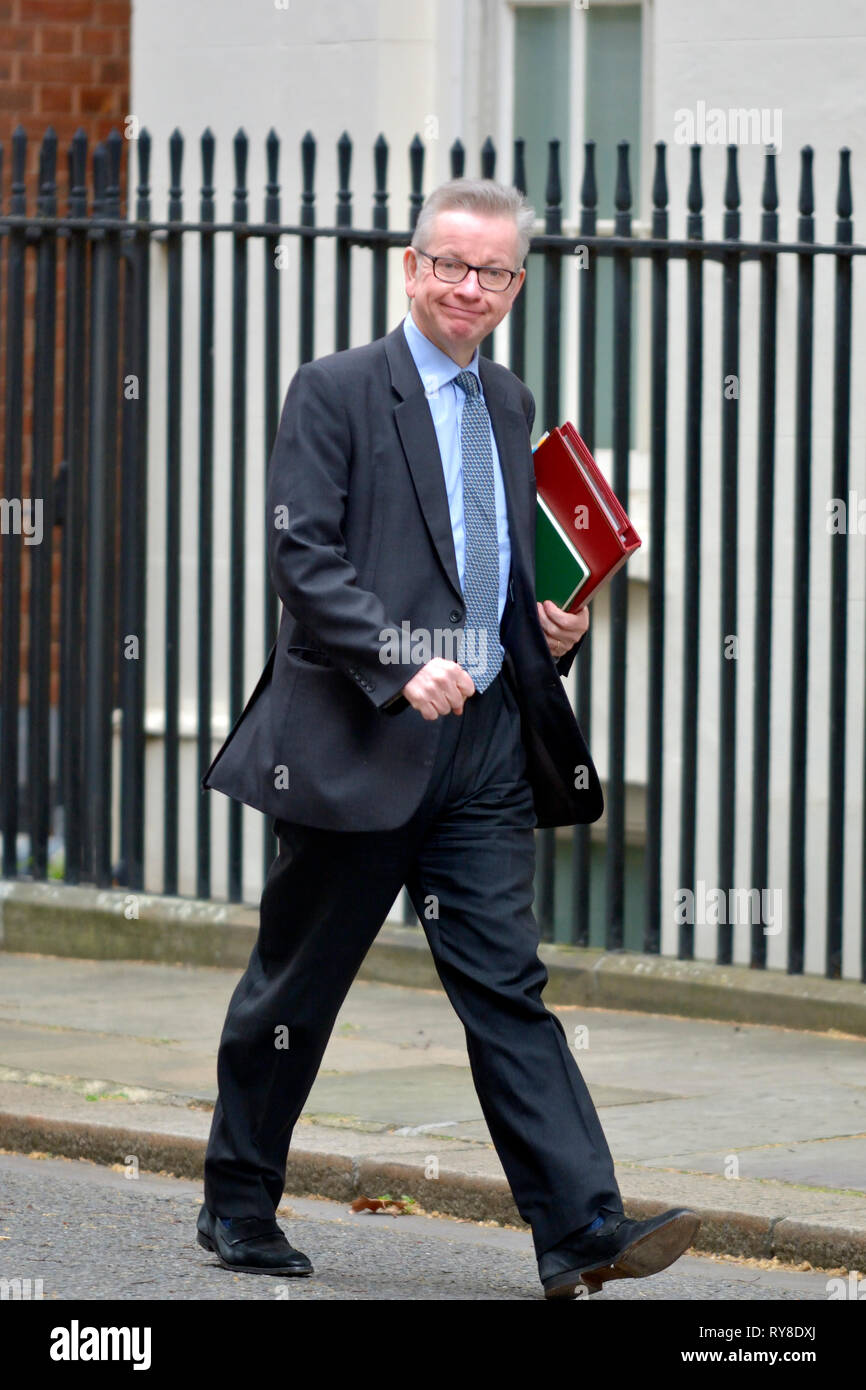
(454, 615)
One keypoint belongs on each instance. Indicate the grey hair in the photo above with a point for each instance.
(476, 195)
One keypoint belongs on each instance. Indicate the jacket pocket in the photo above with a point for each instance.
(311, 655)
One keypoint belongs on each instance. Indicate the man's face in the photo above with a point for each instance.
(457, 317)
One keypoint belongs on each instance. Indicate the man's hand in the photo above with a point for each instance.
(440, 687)
(562, 629)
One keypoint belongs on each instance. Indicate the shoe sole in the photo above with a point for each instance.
(207, 1244)
(647, 1255)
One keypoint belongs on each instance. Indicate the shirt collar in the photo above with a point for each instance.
(435, 367)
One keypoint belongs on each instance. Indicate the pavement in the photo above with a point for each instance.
(761, 1129)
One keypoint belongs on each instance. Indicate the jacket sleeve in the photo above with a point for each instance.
(564, 664)
(529, 404)
(307, 487)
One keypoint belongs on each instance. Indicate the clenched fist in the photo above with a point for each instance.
(440, 687)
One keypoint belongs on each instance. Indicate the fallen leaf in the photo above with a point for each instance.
(390, 1206)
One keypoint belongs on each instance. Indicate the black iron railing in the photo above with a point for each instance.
(98, 499)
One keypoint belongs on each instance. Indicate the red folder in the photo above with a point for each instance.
(570, 482)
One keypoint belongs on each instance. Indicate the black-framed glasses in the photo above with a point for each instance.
(490, 277)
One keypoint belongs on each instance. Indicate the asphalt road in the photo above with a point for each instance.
(91, 1233)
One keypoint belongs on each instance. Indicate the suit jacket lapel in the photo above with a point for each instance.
(420, 445)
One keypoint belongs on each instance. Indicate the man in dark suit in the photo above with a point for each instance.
(411, 727)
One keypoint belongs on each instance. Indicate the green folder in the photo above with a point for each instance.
(560, 571)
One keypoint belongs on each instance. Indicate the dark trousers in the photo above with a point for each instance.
(467, 858)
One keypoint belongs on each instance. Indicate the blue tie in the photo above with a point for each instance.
(482, 652)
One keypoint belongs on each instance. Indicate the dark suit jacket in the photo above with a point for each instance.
(359, 543)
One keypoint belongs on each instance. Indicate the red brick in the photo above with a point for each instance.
(6, 73)
(7, 9)
(98, 101)
(54, 38)
(98, 41)
(112, 12)
(14, 38)
(54, 99)
(112, 70)
(55, 11)
(17, 98)
(57, 68)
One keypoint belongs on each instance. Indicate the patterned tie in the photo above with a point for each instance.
(482, 652)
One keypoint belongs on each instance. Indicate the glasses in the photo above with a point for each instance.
(490, 277)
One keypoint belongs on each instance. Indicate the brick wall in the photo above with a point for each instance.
(65, 64)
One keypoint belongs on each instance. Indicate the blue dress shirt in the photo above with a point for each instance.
(445, 398)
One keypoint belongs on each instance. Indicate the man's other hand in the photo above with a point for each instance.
(562, 629)
(440, 687)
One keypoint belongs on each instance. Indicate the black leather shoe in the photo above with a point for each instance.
(620, 1249)
(250, 1245)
